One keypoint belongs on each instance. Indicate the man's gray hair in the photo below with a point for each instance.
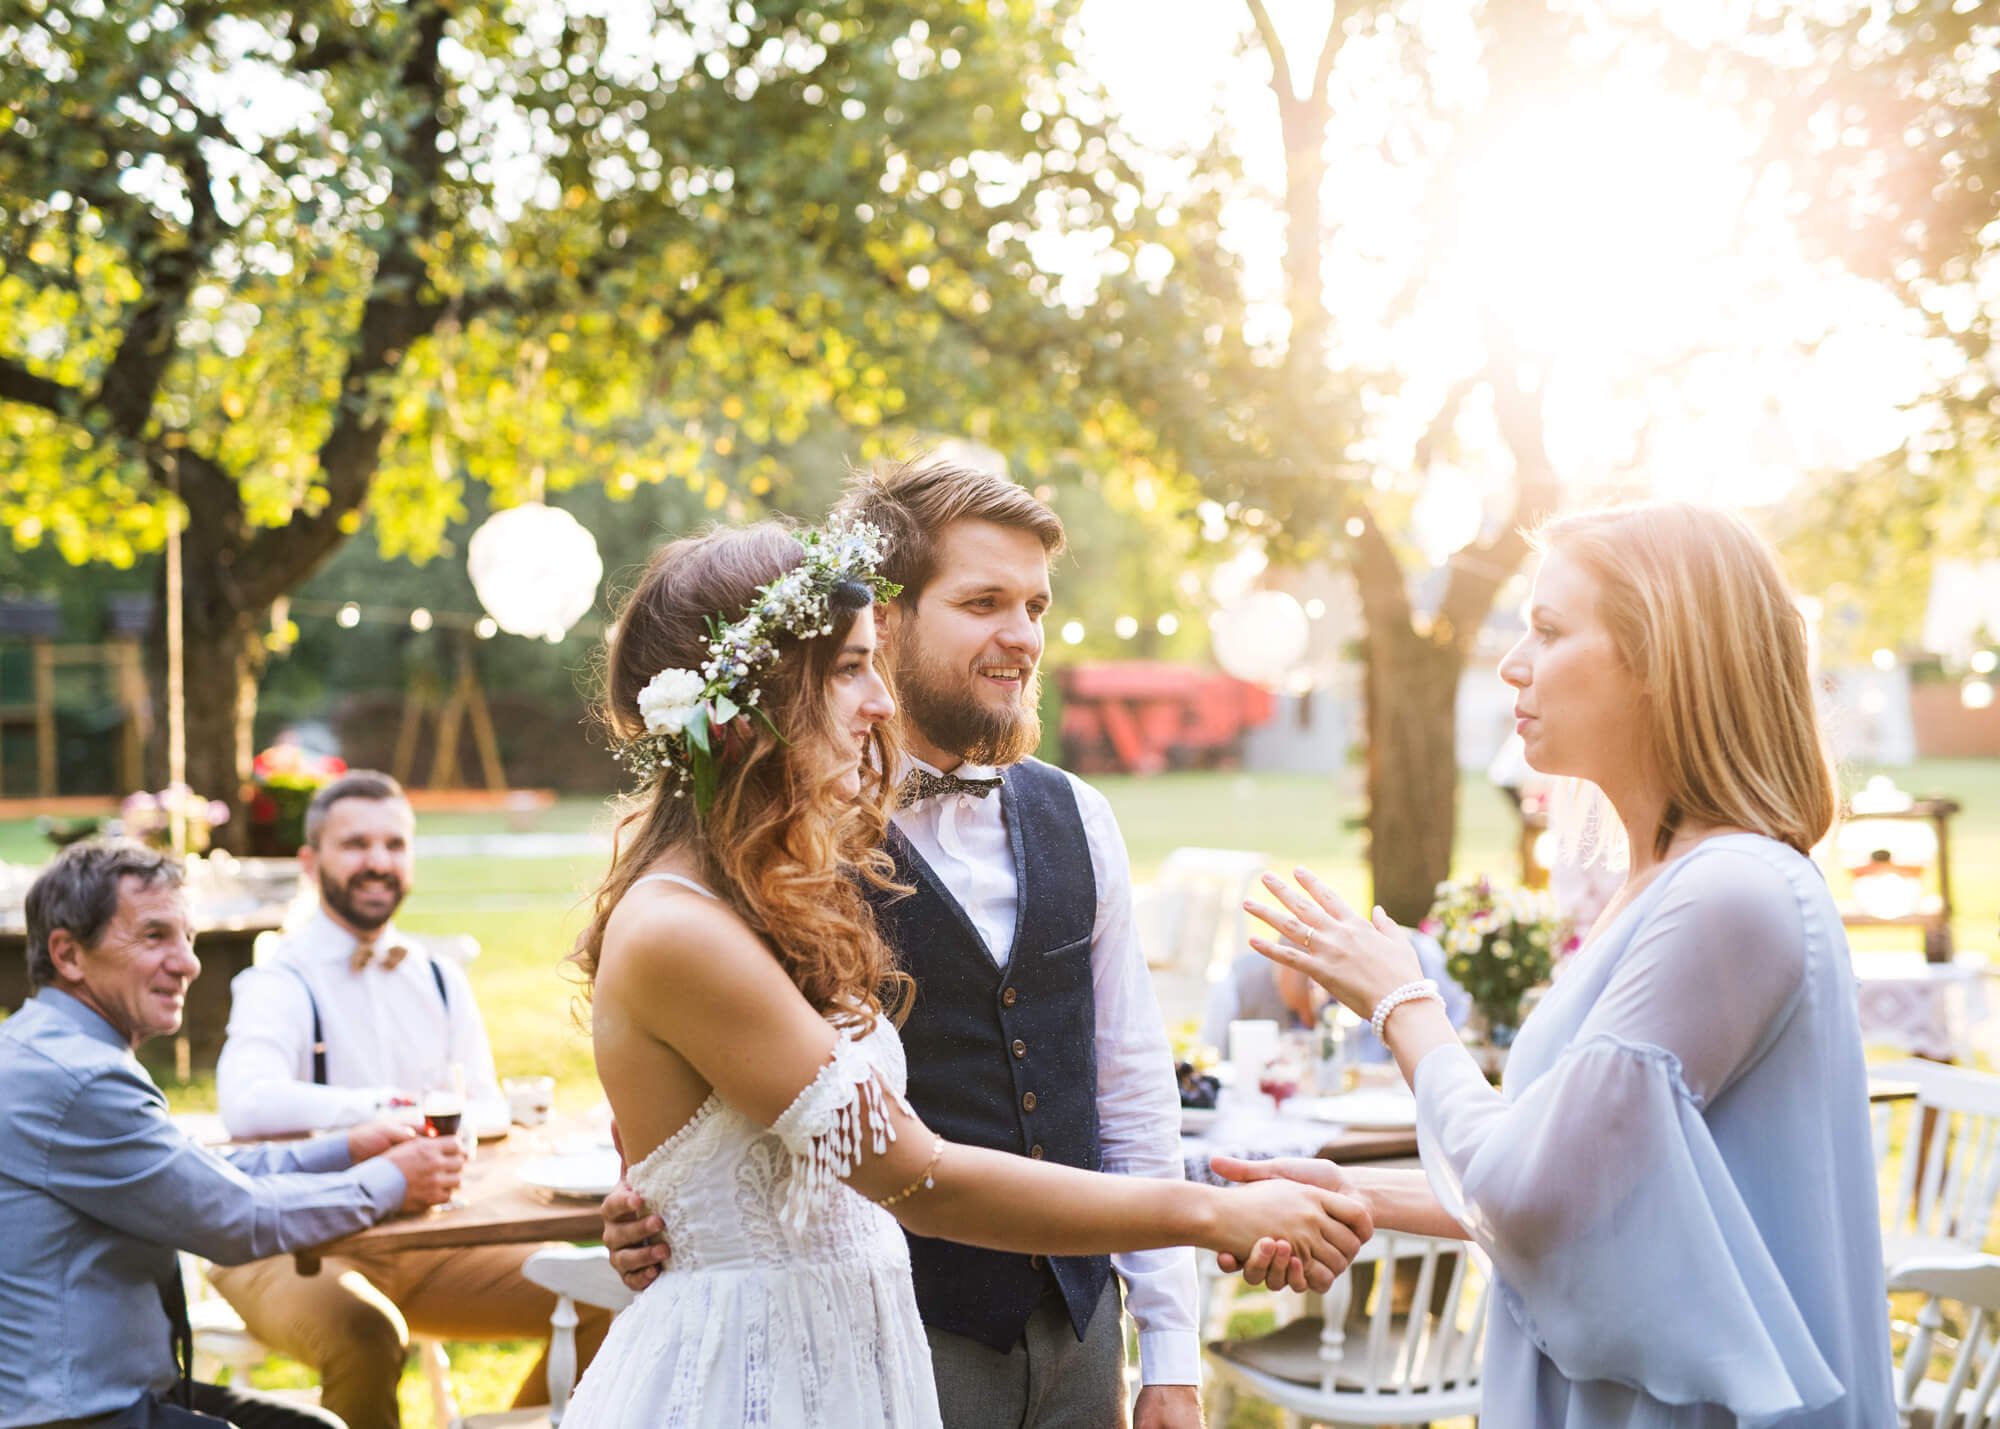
(355, 784)
(79, 892)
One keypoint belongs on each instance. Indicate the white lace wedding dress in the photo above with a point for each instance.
(788, 1301)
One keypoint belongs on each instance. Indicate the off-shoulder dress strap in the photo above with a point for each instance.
(672, 878)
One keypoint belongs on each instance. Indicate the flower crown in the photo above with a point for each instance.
(688, 712)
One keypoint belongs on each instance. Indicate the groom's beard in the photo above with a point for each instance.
(944, 706)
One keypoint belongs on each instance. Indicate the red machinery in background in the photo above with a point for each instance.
(1142, 716)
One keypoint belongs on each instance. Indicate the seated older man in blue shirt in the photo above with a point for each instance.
(98, 1189)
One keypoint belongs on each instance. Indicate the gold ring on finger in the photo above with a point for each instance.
(1308, 944)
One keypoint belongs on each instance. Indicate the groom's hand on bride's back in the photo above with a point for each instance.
(632, 1233)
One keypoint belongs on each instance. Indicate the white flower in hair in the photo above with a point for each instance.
(670, 699)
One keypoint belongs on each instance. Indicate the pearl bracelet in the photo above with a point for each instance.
(1408, 992)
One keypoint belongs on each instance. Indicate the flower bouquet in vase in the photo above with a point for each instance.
(284, 779)
(1499, 943)
(149, 817)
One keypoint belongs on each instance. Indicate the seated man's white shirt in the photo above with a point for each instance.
(382, 1027)
(963, 837)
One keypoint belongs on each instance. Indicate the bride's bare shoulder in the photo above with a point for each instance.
(663, 928)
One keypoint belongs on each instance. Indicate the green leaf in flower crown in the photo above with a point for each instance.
(696, 730)
(725, 710)
(758, 710)
(702, 770)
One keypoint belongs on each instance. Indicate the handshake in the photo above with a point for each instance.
(1296, 1224)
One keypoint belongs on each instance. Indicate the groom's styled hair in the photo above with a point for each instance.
(910, 502)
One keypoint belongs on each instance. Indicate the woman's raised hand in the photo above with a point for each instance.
(1321, 1230)
(1358, 960)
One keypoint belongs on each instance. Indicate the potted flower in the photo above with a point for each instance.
(1498, 943)
(284, 779)
(148, 817)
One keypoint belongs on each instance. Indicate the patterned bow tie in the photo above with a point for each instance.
(364, 953)
(921, 784)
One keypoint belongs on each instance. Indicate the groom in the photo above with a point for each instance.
(1035, 1029)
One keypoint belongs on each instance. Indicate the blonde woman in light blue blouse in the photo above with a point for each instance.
(1675, 1181)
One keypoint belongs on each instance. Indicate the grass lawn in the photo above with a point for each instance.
(526, 914)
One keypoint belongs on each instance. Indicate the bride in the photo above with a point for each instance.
(744, 1013)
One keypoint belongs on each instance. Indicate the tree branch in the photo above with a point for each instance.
(1336, 36)
(17, 384)
(1281, 69)
(1478, 572)
(1446, 414)
(401, 308)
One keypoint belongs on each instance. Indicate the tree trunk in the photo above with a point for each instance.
(223, 656)
(221, 685)
(1411, 694)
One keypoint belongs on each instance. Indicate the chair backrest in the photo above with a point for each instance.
(581, 1273)
(1205, 888)
(460, 948)
(1438, 1342)
(1971, 1389)
(574, 1273)
(1950, 1171)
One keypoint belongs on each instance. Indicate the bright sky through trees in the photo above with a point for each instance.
(1617, 229)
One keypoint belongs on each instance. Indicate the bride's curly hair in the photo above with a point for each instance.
(780, 844)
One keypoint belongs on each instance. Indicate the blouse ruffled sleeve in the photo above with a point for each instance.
(1623, 1244)
(821, 1130)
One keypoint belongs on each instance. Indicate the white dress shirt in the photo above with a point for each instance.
(963, 837)
(383, 1027)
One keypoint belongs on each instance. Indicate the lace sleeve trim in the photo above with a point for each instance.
(821, 1129)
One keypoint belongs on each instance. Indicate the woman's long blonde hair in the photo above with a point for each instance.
(781, 845)
(1698, 609)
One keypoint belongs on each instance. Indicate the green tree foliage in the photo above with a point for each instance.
(306, 263)
(1887, 121)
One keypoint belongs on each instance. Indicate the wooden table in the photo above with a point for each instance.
(1371, 1145)
(499, 1209)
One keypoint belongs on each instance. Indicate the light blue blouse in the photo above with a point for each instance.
(1676, 1182)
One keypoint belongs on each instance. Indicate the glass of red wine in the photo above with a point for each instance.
(1279, 1081)
(443, 1107)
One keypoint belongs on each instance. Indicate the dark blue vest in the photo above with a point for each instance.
(1005, 1057)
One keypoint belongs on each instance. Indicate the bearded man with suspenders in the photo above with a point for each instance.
(343, 1021)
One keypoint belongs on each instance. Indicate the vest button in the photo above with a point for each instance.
(1034, 1262)
(1007, 998)
(1035, 1152)
(1028, 1102)
(1020, 1048)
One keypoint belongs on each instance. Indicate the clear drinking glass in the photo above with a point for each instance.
(443, 1106)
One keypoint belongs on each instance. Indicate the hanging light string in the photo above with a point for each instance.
(348, 614)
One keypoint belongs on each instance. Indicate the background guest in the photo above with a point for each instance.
(99, 1189)
(349, 1014)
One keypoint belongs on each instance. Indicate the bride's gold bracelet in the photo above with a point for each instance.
(923, 1181)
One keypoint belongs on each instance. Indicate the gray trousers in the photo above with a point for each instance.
(1050, 1380)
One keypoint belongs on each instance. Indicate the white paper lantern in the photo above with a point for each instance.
(535, 569)
(1261, 638)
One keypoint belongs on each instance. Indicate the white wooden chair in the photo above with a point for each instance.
(1969, 1396)
(579, 1275)
(1948, 1176)
(1372, 1364)
(1194, 921)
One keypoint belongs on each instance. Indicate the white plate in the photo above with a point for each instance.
(588, 1175)
(1364, 1111)
(1197, 1119)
